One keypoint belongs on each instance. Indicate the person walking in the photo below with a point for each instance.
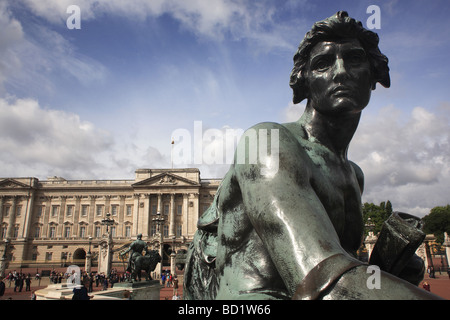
(2, 287)
(28, 283)
(175, 286)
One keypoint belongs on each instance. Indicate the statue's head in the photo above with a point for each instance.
(139, 236)
(337, 28)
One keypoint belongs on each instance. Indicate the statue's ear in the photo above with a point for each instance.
(380, 74)
(300, 89)
(385, 80)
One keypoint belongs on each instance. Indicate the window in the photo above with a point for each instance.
(67, 232)
(154, 209)
(113, 231)
(179, 230)
(55, 211)
(49, 256)
(18, 211)
(34, 257)
(16, 232)
(37, 232)
(129, 210)
(52, 232)
(179, 209)
(4, 230)
(127, 231)
(114, 210)
(98, 231)
(99, 210)
(152, 230)
(40, 211)
(7, 210)
(166, 209)
(166, 231)
(84, 210)
(82, 232)
(69, 211)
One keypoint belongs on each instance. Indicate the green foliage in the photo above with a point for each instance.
(437, 222)
(377, 214)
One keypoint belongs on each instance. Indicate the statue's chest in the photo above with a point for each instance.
(339, 192)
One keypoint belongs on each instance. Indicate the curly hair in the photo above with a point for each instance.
(336, 27)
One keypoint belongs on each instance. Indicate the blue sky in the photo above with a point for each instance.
(102, 101)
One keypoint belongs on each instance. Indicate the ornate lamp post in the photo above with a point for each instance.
(172, 257)
(106, 248)
(89, 258)
(4, 258)
(108, 222)
(159, 220)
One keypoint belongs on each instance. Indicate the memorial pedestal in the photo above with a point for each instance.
(143, 290)
(60, 291)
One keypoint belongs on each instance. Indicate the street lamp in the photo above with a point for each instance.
(159, 220)
(108, 221)
(89, 259)
(90, 242)
(109, 244)
(3, 262)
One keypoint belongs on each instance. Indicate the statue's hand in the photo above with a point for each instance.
(414, 271)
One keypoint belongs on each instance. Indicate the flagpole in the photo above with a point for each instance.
(171, 154)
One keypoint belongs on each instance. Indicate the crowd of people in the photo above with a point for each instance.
(168, 280)
(21, 281)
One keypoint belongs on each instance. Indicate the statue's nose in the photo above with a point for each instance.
(339, 70)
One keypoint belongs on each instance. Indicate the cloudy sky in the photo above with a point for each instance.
(102, 101)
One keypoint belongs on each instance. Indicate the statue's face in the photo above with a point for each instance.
(339, 77)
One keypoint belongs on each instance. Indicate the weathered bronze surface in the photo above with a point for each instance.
(289, 225)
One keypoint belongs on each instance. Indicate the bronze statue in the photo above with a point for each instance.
(138, 262)
(292, 231)
(147, 263)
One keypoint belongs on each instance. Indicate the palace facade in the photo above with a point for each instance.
(55, 222)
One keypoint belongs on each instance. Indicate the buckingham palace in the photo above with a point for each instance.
(55, 222)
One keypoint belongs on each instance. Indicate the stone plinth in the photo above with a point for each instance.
(60, 291)
(144, 290)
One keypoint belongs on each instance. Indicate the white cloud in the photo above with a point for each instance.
(11, 35)
(34, 139)
(28, 60)
(213, 19)
(405, 158)
(292, 112)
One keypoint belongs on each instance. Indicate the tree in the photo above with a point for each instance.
(437, 222)
(377, 214)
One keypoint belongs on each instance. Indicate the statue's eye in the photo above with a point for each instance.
(322, 64)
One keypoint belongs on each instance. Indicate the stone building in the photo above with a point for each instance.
(55, 222)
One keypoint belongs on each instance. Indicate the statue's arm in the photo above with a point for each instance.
(126, 251)
(283, 207)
